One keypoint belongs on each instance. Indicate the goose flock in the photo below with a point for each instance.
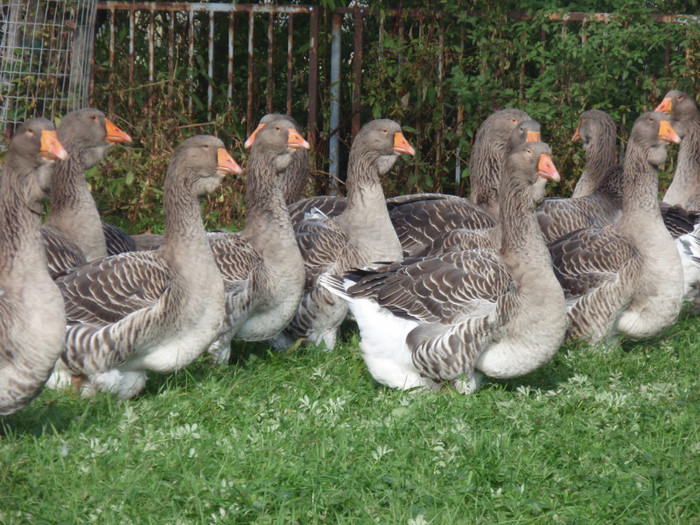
(444, 290)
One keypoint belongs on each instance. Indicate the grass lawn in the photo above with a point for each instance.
(598, 435)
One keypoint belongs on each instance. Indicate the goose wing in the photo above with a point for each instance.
(323, 244)
(329, 205)
(445, 289)
(107, 290)
(118, 241)
(419, 222)
(559, 217)
(596, 269)
(62, 254)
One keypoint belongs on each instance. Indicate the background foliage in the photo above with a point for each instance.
(439, 72)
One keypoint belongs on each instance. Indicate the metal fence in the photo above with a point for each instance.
(45, 57)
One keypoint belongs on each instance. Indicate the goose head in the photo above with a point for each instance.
(201, 163)
(381, 142)
(87, 135)
(530, 165)
(590, 126)
(35, 146)
(279, 138)
(652, 132)
(525, 131)
(681, 107)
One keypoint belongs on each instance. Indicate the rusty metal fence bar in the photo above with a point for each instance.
(211, 12)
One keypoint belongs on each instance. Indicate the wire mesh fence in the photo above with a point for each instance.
(45, 58)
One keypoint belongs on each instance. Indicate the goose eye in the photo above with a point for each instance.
(93, 117)
(206, 147)
(385, 131)
(30, 132)
(529, 151)
(515, 120)
(277, 128)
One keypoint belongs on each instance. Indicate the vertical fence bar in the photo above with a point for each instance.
(210, 67)
(190, 62)
(151, 55)
(229, 92)
(357, 72)
(171, 41)
(151, 45)
(333, 158)
(270, 55)
(132, 28)
(249, 111)
(290, 62)
(112, 30)
(313, 76)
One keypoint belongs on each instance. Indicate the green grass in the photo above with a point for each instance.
(598, 435)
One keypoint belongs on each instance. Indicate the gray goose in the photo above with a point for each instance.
(419, 219)
(625, 278)
(685, 187)
(359, 236)
(452, 317)
(155, 310)
(262, 267)
(294, 179)
(597, 198)
(32, 317)
(87, 135)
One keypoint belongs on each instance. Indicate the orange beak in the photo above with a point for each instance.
(576, 136)
(226, 164)
(665, 106)
(250, 140)
(295, 140)
(546, 168)
(533, 136)
(51, 148)
(667, 133)
(114, 134)
(401, 145)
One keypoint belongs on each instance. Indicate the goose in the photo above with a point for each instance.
(262, 266)
(87, 135)
(156, 310)
(685, 187)
(359, 236)
(625, 278)
(32, 317)
(295, 178)
(454, 317)
(419, 218)
(597, 198)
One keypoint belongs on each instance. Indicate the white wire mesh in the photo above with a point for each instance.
(45, 57)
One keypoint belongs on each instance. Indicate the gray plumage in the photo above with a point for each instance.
(361, 235)
(262, 266)
(73, 212)
(450, 317)
(420, 219)
(155, 310)
(685, 187)
(32, 317)
(597, 199)
(625, 278)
